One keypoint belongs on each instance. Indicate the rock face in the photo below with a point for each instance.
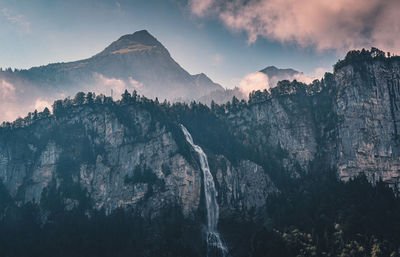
(129, 155)
(367, 108)
(134, 163)
(242, 187)
(281, 122)
(348, 122)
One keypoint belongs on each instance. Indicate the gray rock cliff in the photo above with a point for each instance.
(129, 155)
(348, 122)
(134, 164)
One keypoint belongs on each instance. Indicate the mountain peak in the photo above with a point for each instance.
(272, 71)
(142, 37)
(270, 68)
(139, 41)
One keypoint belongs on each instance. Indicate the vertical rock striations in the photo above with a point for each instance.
(114, 156)
(348, 122)
(367, 106)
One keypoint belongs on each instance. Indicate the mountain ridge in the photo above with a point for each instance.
(135, 61)
(272, 71)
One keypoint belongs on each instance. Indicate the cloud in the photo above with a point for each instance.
(217, 60)
(200, 7)
(253, 82)
(18, 98)
(7, 90)
(136, 84)
(261, 81)
(320, 72)
(308, 79)
(17, 19)
(40, 104)
(105, 85)
(10, 114)
(301, 77)
(323, 24)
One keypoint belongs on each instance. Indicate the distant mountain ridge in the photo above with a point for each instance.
(273, 71)
(141, 57)
(136, 61)
(274, 75)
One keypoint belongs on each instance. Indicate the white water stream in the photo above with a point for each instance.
(215, 246)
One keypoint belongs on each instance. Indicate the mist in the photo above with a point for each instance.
(19, 97)
(261, 81)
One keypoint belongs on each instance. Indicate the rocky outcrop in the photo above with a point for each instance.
(243, 187)
(283, 123)
(367, 106)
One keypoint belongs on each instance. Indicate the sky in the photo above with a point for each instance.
(225, 39)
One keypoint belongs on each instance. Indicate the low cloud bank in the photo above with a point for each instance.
(18, 98)
(7, 90)
(260, 81)
(112, 86)
(253, 82)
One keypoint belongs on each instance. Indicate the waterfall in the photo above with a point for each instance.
(215, 246)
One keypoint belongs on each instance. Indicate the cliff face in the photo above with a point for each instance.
(282, 122)
(117, 157)
(130, 156)
(348, 122)
(242, 187)
(367, 108)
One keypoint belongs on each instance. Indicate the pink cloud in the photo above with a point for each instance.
(40, 104)
(104, 85)
(7, 90)
(200, 7)
(323, 24)
(260, 81)
(253, 82)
